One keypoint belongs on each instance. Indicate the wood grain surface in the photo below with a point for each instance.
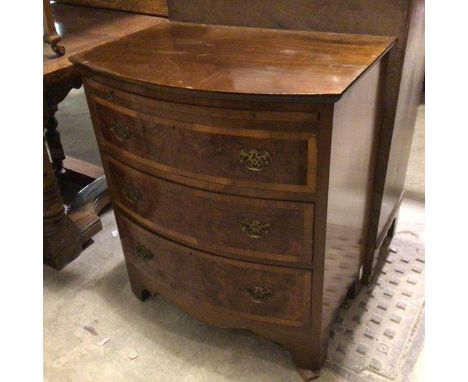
(228, 285)
(283, 161)
(213, 221)
(403, 19)
(238, 60)
(149, 7)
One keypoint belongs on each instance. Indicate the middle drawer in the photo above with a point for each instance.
(234, 226)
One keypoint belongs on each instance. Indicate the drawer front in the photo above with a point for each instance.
(253, 291)
(235, 226)
(235, 152)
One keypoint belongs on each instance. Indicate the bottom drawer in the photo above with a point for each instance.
(253, 291)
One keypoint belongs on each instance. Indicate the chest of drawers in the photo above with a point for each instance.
(240, 164)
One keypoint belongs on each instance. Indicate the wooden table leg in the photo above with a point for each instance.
(53, 140)
(53, 95)
(66, 232)
(62, 241)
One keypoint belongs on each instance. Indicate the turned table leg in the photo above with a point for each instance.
(61, 237)
(52, 96)
(53, 140)
(65, 232)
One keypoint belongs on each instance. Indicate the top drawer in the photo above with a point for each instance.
(267, 150)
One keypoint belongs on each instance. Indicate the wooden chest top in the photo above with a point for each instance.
(238, 60)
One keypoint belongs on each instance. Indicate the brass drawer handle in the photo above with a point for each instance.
(255, 160)
(259, 294)
(255, 228)
(120, 131)
(143, 253)
(131, 193)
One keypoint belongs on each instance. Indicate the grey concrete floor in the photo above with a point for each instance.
(95, 330)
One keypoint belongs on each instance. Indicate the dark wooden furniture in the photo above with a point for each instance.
(51, 36)
(148, 7)
(403, 79)
(240, 163)
(65, 232)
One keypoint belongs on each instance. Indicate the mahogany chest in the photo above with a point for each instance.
(240, 163)
(402, 91)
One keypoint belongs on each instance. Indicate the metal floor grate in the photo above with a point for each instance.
(372, 332)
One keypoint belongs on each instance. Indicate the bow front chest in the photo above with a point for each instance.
(240, 164)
